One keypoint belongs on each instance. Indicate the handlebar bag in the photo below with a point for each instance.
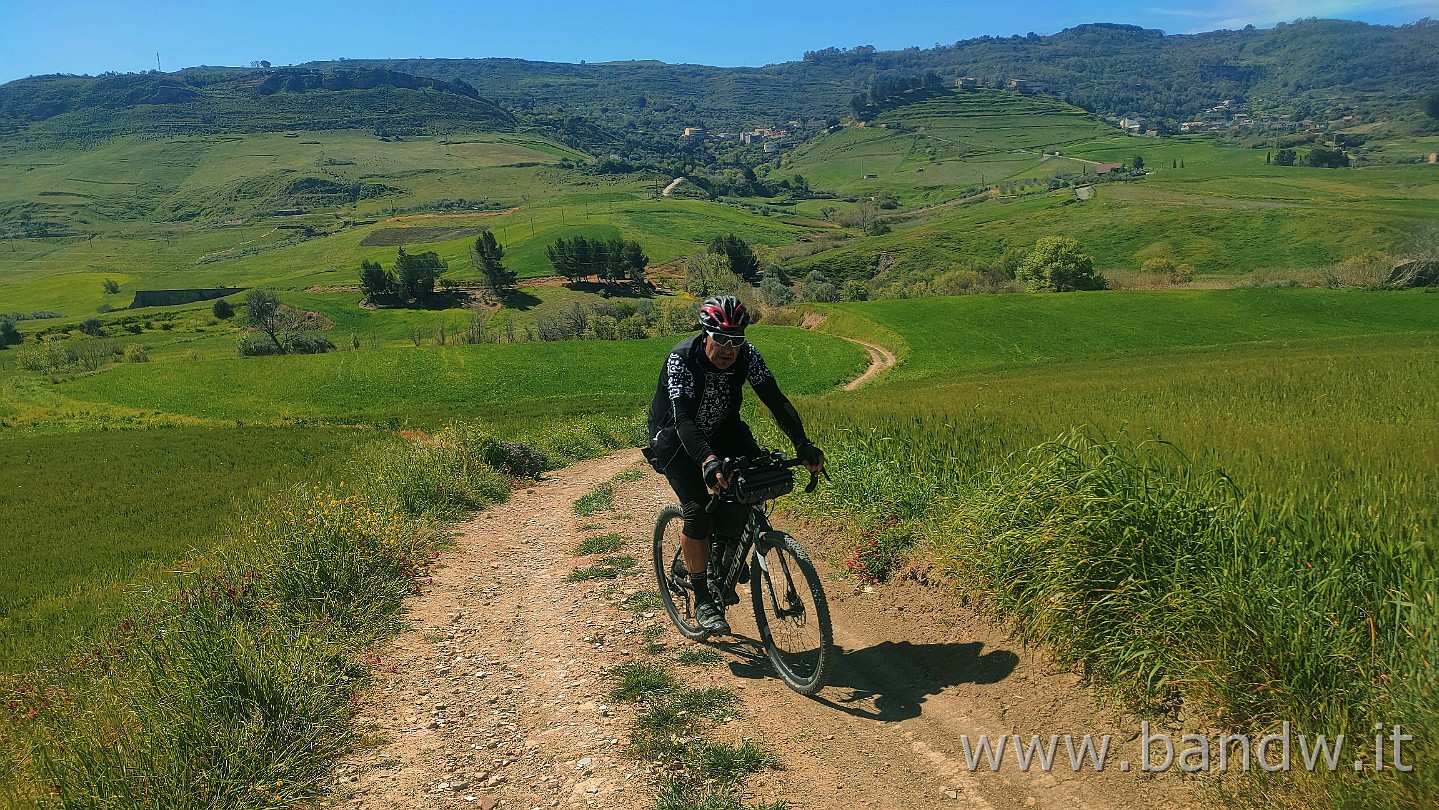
(759, 484)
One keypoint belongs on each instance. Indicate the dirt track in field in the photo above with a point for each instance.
(496, 696)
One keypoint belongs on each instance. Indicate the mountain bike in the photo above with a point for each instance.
(790, 608)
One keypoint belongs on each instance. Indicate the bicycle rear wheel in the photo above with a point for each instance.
(792, 613)
(675, 592)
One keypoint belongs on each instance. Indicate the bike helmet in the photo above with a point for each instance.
(724, 318)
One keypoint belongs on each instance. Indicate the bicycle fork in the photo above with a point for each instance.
(792, 606)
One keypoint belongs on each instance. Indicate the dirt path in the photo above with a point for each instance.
(880, 360)
(496, 695)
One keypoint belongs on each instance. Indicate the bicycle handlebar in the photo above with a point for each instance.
(731, 465)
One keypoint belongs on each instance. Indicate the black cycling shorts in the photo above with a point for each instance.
(687, 479)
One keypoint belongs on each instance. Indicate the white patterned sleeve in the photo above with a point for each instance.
(759, 373)
(681, 379)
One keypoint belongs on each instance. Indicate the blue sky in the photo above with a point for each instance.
(59, 36)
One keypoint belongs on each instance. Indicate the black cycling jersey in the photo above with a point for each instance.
(696, 402)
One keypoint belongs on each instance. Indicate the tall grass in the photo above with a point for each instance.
(1242, 536)
(231, 687)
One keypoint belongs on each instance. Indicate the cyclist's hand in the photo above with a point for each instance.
(714, 475)
(812, 457)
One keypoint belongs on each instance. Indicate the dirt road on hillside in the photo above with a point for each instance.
(496, 695)
(880, 359)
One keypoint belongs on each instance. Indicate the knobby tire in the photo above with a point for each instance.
(800, 643)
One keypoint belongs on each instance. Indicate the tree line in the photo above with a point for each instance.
(609, 260)
(415, 274)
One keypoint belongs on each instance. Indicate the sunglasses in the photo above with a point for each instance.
(728, 341)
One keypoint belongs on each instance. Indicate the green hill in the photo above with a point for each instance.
(220, 100)
(1317, 66)
(934, 148)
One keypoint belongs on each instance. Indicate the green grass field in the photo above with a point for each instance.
(927, 151)
(948, 336)
(429, 385)
(92, 514)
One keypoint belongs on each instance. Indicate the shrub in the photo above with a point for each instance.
(818, 289)
(305, 343)
(92, 327)
(137, 353)
(604, 327)
(222, 309)
(854, 290)
(256, 345)
(1057, 265)
(253, 345)
(111, 287)
(1369, 270)
(515, 458)
(631, 328)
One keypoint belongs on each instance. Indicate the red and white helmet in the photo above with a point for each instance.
(724, 318)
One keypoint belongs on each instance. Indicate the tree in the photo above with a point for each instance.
(1137, 162)
(111, 287)
(1011, 259)
(9, 335)
(741, 257)
(415, 273)
(92, 327)
(374, 280)
(1057, 265)
(1431, 105)
(818, 289)
(282, 324)
(488, 253)
(1321, 157)
(222, 309)
(635, 261)
(775, 292)
(709, 274)
(1285, 157)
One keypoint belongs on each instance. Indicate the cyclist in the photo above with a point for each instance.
(694, 424)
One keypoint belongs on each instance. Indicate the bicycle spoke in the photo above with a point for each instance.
(793, 616)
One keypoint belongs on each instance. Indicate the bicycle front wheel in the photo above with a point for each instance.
(670, 574)
(791, 612)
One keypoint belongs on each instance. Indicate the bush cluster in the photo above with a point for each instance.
(58, 356)
(257, 345)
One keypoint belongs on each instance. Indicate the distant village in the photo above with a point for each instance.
(772, 138)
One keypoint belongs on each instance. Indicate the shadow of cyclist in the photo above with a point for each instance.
(890, 680)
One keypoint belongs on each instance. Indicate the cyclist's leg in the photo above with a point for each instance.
(735, 440)
(687, 481)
